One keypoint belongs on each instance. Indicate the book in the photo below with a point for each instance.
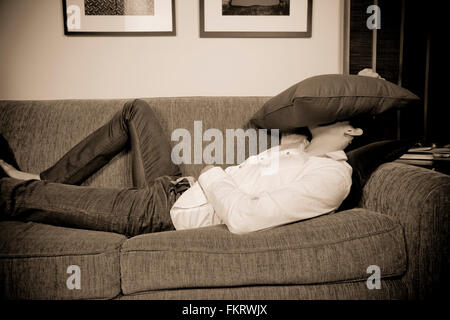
(429, 150)
(441, 153)
(417, 156)
(425, 163)
(421, 150)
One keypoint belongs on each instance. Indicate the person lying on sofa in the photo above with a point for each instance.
(313, 178)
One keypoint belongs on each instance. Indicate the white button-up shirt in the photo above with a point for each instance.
(281, 185)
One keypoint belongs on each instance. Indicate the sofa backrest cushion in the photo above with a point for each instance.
(40, 132)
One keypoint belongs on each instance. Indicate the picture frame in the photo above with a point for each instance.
(119, 17)
(248, 21)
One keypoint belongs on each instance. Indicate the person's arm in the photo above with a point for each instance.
(319, 192)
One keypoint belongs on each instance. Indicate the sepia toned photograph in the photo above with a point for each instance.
(119, 7)
(223, 178)
(255, 7)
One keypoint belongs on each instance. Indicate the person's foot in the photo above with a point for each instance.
(12, 172)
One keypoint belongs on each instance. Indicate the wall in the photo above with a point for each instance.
(38, 62)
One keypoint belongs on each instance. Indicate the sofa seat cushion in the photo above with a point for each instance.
(332, 248)
(35, 260)
(391, 289)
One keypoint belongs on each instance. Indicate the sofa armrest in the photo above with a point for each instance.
(420, 199)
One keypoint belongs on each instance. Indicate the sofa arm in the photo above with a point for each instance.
(420, 199)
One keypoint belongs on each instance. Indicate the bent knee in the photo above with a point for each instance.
(137, 107)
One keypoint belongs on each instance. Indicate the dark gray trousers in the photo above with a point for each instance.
(59, 200)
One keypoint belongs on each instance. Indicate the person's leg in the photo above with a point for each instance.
(129, 211)
(137, 126)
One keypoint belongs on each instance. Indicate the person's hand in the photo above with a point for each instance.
(369, 73)
(206, 169)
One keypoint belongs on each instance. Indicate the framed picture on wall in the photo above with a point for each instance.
(119, 17)
(256, 18)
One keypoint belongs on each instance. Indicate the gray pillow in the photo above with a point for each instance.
(328, 98)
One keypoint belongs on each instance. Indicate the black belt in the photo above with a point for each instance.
(180, 187)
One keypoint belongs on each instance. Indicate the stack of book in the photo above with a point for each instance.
(425, 156)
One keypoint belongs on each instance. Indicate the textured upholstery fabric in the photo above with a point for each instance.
(215, 112)
(420, 200)
(34, 259)
(42, 131)
(390, 290)
(331, 248)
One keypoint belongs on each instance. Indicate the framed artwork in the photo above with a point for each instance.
(256, 18)
(119, 17)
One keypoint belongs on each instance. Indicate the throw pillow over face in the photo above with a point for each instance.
(328, 98)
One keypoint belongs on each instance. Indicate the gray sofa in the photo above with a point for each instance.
(401, 226)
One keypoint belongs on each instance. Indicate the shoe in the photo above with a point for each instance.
(7, 155)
